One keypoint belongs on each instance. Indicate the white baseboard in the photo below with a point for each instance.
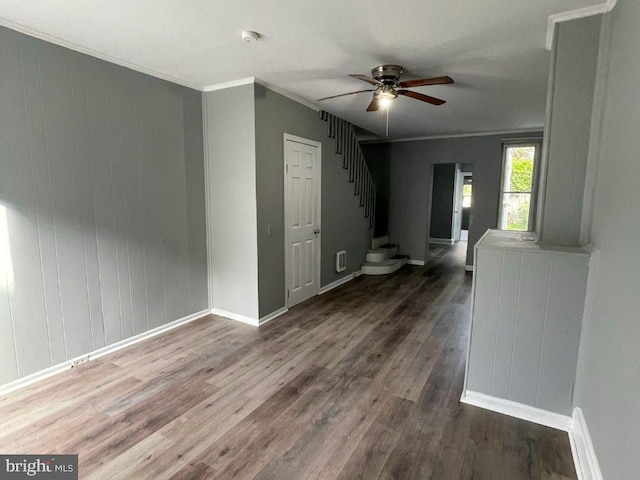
(584, 456)
(518, 410)
(442, 241)
(235, 316)
(272, 315)
(468, 268)
(340, 281)
(101, 352)
(411, 261)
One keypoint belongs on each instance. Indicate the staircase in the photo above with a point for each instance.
(383, 258)
(348, 146)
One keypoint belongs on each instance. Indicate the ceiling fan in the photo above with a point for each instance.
(386, 79)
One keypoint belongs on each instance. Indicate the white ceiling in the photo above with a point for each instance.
(493, 49)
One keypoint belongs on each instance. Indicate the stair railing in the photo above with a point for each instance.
(353, 160)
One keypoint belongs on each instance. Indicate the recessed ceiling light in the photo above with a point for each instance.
(250, 36)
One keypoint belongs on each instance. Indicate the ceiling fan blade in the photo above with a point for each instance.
(344, 94)
(374, 106)
(427, 81)
(420, 96)
(366, 78)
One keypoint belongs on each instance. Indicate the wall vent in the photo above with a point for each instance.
(341, 261)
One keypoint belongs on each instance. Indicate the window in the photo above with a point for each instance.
(518, 187)
(466, 194)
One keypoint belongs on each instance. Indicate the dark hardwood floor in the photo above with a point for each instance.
(362, 382)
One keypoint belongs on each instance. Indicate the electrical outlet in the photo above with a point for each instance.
(269, 230)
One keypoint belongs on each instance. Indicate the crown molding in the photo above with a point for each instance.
(459, 135)
(267, 85)
(286, 93)
(18, 27)
(574, 14)
(231, 84)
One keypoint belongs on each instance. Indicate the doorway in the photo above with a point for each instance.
(302, 170)
(462, 202)
(451, 201)
(466, 201)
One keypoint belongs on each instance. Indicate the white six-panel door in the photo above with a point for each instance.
(302, 218)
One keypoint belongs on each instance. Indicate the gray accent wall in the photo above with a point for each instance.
(102, 226)
(342, 219)
(444, 176)
(377, 157)
(609, 378)
(571, 93)
(231, 175)
(410, 180)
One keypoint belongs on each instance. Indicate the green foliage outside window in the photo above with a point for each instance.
(521, 169)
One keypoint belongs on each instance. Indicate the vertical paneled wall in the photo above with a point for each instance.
(102, 226)
(527, 316)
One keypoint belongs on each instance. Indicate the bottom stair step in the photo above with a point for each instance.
(384, 267)
(381, 253)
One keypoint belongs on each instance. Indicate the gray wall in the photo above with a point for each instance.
(610, 362)
(231, 173)
(410, 180)
(102, 226)
(343, 224)
(377, 158)
(444, 176)
(567, 132)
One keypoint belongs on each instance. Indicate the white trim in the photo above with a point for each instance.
(288, 94)
(459, 135)
(584, 455)
(468, 268)
(234, 316)
(419, 263)
(231, 84)
(340, 281)
(517, 410)
(93, 53)
(101, 352)
(442, 241)
(574, 14)
(272, 315)
(267, 85)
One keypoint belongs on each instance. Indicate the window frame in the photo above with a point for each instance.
(528, 142)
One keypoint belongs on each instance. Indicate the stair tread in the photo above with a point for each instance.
(382, 249)
(387, 262)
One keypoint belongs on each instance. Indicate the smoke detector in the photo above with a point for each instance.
(250, 36)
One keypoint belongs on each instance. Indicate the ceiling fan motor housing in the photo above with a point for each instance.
(387, 74)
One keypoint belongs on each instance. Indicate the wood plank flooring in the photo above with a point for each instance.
(360, 383)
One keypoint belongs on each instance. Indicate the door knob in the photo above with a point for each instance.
(316, 231)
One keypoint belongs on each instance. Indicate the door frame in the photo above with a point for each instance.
(457, 204)
(287, 261)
